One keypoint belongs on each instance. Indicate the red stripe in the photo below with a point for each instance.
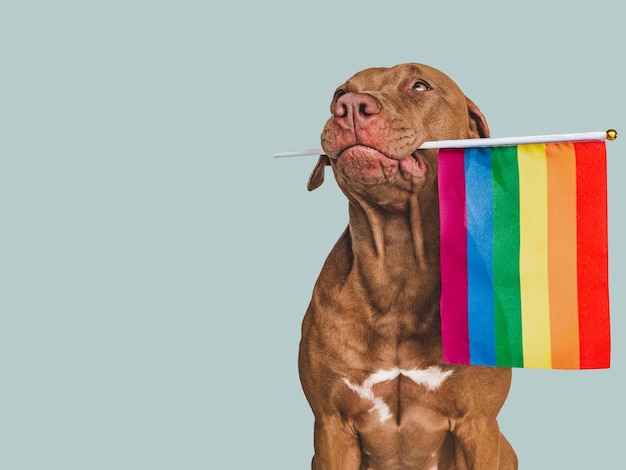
(593, 299)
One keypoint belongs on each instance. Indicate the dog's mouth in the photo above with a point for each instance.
(366, 151)
(368, 162)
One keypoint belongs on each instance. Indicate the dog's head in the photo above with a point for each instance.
(379, 119)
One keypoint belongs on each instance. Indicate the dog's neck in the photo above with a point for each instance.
(396, 254)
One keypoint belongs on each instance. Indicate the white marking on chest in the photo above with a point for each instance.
(431, 378)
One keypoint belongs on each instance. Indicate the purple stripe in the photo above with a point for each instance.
(454, 324)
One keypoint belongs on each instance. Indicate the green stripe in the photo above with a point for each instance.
(507, 299)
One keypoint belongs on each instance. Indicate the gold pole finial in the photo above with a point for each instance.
(611, 134)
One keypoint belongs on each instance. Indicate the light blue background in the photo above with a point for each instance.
(156, 261)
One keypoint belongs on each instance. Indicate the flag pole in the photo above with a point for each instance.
(610, 134)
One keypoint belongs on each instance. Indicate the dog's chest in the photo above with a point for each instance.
(388, 394)
(393, 408)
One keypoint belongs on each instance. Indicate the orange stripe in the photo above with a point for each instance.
(562, 256)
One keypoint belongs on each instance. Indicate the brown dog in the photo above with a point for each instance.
(370, 356)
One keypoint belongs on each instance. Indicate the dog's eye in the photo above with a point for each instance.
(420, 86)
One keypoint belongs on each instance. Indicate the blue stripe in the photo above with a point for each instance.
(481, 310)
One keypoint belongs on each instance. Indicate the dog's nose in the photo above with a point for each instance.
(356, 110)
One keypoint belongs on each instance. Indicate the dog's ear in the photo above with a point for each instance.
(317, 175)
(477, 123)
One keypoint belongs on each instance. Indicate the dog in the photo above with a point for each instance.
(370, 357)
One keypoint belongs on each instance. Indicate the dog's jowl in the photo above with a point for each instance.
(370, 355)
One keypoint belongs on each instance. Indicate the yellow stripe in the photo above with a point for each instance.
(533, 180)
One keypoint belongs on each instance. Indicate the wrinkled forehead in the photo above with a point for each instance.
(381, 77)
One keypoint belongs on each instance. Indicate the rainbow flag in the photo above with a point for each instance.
(524, 255)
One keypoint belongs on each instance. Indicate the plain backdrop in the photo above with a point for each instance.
(156, 261)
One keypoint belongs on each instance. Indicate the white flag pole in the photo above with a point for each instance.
(611, 134)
